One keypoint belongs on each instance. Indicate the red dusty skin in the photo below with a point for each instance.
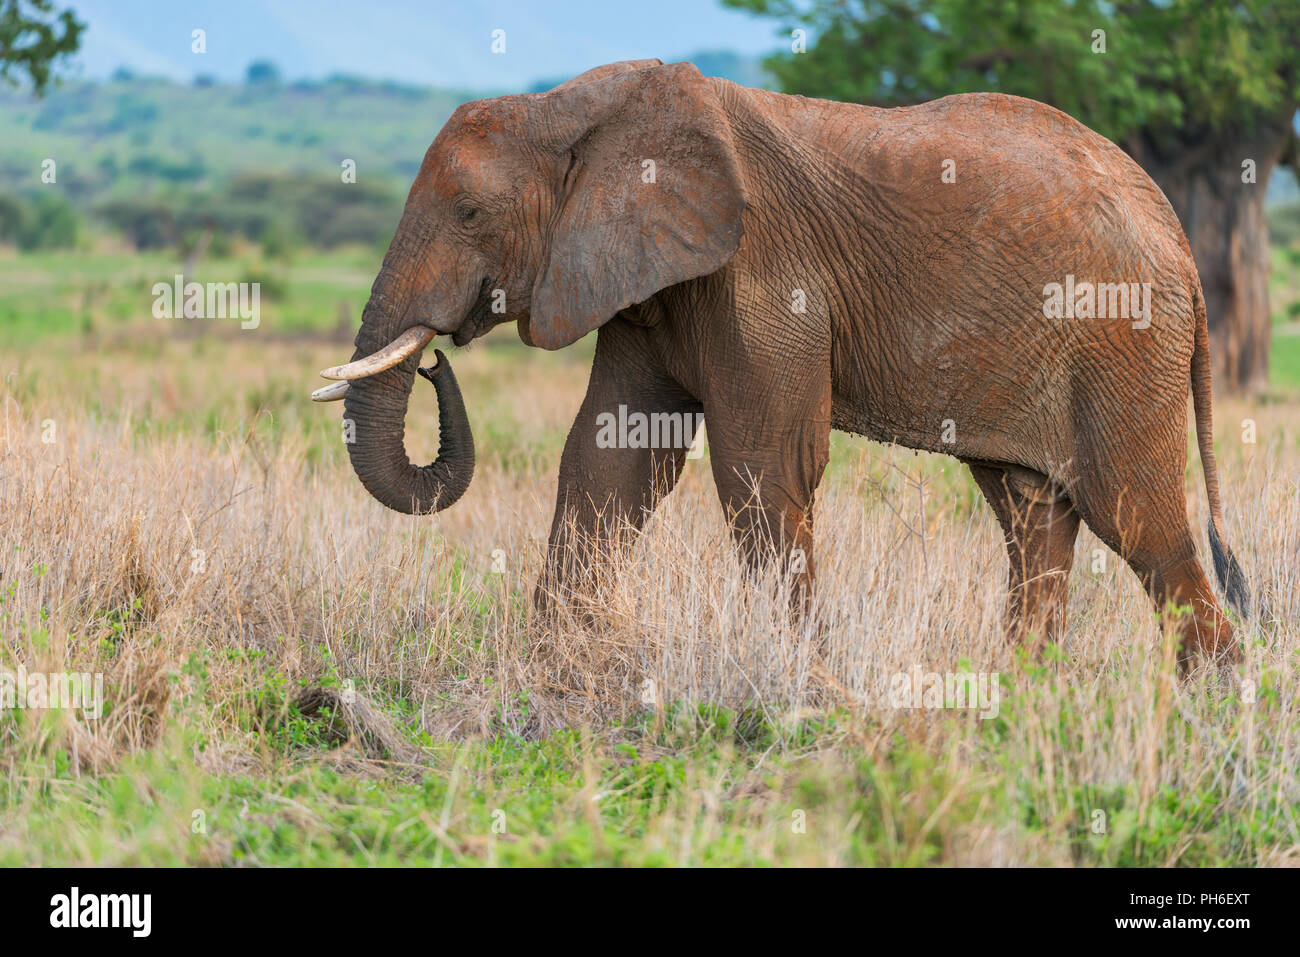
(787, 266)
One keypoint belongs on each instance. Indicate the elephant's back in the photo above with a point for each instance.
(1032, 166)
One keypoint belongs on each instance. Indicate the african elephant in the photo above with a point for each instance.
(979, 275)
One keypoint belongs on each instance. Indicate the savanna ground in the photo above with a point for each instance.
(296, 676)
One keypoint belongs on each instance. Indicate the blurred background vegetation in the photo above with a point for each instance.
(244, 179)
(156, 163)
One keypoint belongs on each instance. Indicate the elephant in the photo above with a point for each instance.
(980, 275)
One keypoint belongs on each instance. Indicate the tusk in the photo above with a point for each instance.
(331, 393)
(412, 340)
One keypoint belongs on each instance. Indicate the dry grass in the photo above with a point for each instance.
(169, 525)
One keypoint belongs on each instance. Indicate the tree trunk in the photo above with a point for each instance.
(1202, 172)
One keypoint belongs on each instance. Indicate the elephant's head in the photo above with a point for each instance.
(554, 210)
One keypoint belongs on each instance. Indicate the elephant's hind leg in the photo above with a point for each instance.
(1145, 522)
(1040, 525)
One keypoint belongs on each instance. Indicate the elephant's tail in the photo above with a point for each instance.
(1231, 578)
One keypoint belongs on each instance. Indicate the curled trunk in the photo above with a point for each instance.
(376, 407)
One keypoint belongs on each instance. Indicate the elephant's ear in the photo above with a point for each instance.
(652, 197)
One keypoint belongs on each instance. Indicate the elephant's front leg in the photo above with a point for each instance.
(769, 442)
(624, 453)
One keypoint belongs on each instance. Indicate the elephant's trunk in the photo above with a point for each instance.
(382, 372)
(376, 406)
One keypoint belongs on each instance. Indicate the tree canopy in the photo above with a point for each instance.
(34, 39)
(1159, 63)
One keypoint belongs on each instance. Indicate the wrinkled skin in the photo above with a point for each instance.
(922, 320)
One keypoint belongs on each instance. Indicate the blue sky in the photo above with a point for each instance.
(433, 42)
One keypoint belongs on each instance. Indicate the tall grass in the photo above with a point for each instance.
(193, 532)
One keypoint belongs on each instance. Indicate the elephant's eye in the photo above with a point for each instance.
(466, 213)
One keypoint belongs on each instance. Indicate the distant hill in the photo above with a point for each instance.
(131, 135)
(162, 163)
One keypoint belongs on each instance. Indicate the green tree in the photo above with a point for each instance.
(33, 39)
(1202, 93)
(262, 73)
(41, 221)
